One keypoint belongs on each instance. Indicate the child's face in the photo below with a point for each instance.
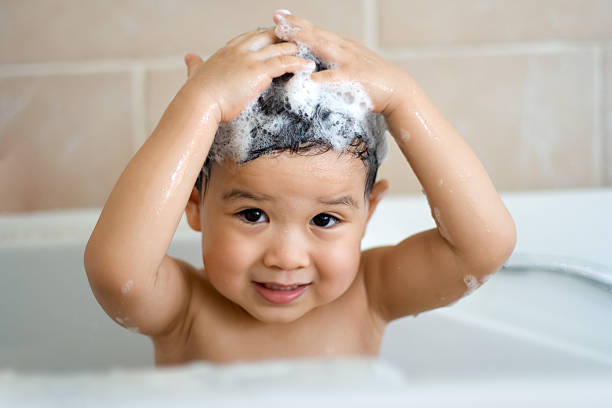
(287, 220)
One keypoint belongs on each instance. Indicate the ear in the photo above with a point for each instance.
(192, 210)
(379, 189)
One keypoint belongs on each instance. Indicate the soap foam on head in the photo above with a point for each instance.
(295, 110)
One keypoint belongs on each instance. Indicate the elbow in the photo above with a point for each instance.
(492, 251)
(510, 241)
(505, 240)
(88, 258)
(501, 246)
(101, 267)
(95, 265)
(104, 276)
(94, 259)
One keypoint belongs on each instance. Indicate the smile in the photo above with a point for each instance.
(280, 294)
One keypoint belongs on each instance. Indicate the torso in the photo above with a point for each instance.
(217, 330)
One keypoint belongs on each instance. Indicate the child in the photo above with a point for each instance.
(284, 275)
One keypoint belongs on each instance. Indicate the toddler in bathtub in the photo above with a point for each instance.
(282, 131)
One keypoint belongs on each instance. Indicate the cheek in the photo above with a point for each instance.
(337, 266)
(227, 257)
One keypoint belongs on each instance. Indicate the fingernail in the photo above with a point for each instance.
(283, 11)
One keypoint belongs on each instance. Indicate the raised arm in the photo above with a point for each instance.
(475, 233)
(136, 283)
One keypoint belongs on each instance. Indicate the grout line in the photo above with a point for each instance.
(470, 50)
(370, 38)
(598, 150)
(87, 67)
(370, 24)
(602, 84)
(139, 125)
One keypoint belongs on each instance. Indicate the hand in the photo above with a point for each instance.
(385, 83)
(237, 73)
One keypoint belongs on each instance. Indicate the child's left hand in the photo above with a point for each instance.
(385, 83)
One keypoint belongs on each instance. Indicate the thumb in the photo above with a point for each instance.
(192, 61)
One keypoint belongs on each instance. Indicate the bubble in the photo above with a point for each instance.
(471, 283)
(441, 225)
(284, 29)
(127, 287)
(405, 135)
(295, 109)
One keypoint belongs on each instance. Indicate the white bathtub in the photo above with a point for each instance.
(525, 337)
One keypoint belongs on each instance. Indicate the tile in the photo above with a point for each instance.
(607, 117)
(413, 23)
(396, 170)
(64, 140)
(529, 118)
(77, 30)
(160, 88)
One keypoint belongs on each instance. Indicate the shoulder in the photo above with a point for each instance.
(369, 275)
(370, 271)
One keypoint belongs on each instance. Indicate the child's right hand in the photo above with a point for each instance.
(237, 73)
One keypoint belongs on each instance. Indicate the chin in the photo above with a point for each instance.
(277, 314)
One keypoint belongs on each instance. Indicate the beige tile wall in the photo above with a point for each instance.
(82, 84)
(606, 110)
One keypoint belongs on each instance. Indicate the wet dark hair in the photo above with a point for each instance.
(305, 133)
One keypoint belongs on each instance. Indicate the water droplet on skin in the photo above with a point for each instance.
(427, 126)
(471, 283)
(464, 176)
(126, 288)
(441, 227)
(405, 135)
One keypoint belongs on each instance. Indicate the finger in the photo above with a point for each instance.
(258, 40)
(238, 38)
(286, 27)
(192, 61)
(281, 16)
(329, 76)
(275, 50)
(283, 64)
(322, 43)
(246, 35)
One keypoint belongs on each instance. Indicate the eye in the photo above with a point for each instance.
(324, 220)
(253, 215)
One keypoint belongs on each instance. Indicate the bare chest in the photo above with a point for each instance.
(342, 328)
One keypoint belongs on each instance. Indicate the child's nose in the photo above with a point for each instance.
(287, 251)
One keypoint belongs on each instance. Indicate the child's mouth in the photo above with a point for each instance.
(280, 294)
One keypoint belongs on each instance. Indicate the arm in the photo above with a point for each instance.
(475, 233)
(133, 279)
